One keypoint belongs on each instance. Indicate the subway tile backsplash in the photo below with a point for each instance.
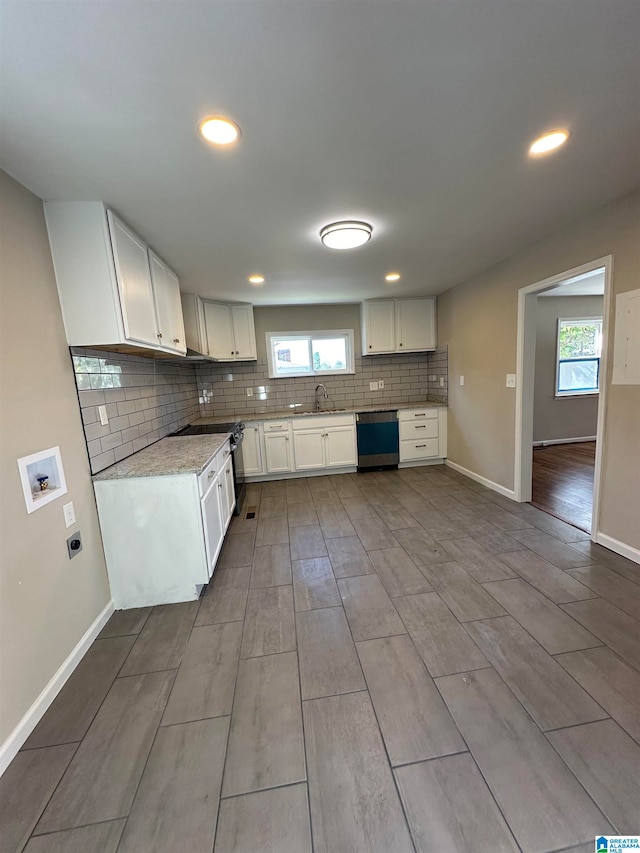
(145, 398)
(410, 378)
(148, 398)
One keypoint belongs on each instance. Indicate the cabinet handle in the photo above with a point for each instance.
(420, 415)
(237, 352)
(176, 340)
(226, 453)
(211, 474)
(232, 352)
(286, 438)
(219, 485)
(159, 334)
(228, 470)
(420, 445)
(423, 426)
(370, 346)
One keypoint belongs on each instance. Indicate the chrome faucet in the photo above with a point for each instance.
(316, 405)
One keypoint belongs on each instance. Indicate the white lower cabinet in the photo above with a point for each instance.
(277, 448)
(423, 434)
(162, 535)
(324, 441)
(252, 457)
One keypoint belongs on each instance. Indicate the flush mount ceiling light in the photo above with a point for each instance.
(549, 142)
(256, 279)
(219, 130)
(348, 234)
(392, 276)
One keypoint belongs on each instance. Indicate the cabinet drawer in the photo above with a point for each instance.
(416, 449)
(276, 426)
(206, 478)
(316, 422)
(416, 414)
(419, 429)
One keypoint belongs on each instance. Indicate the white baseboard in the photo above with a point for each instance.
(564, 440)
(621, 548)
(27, 724)
(496, 487)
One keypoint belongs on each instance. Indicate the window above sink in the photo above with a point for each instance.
(323, 353)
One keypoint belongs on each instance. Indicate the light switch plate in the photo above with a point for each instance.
(511, 380)
(249, 392)
(69, 514)
(104, 418)
(462, 380)
(442, 381)
(373, 386)
(380, 384)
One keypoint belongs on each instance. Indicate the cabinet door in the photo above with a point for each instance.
(244, 332)
(277, 451)
(228, 497)
(380, 330)
(166, 290)
(340, 446)
(217, 321)
(415, 324)
(134, 283)
(251, 451)
(212, 519)
(308, 450)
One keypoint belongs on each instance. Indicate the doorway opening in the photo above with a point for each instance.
(562, 340)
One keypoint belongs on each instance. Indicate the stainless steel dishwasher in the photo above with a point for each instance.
(377, 440)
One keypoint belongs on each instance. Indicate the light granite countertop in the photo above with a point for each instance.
(189, 454)
(298, 413)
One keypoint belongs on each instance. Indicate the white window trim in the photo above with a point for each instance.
(330, 333)
(563, 395)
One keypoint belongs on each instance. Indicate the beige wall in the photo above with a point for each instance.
(560, 417)
(306, 318)
(478, 320)
(47, 602)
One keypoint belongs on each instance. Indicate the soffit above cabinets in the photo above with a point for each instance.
(415, 118)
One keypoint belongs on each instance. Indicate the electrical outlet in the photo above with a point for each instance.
(74, 544)
(442, 381)
(380, 384)
(511, 380)
(249, 392)
(69, 514)
(104, 418)
(462, 380)
(373, 386)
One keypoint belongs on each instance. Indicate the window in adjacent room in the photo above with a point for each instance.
(310, 353)
(578, 357)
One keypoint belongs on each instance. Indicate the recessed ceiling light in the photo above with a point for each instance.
(256, 279)
(392, 276)
(346, 235)
(549, 142)
(219, 130)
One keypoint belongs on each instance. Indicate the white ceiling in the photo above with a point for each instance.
(415, 116)
(587, 284)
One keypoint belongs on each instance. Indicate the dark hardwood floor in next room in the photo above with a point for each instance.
(563, 481)
(395, 662)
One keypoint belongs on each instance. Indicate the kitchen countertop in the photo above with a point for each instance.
(189, 454)
(296, 413)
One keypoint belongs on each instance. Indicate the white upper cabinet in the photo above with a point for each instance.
(133, 275)
(244, 332)
(219, 331)
(109, 294)
(378, 327)
(166, 289)
(398, 325)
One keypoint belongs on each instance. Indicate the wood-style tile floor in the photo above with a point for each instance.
(562, 481)
(390, 662)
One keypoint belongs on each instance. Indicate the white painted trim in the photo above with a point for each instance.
(621, 548)
(27, 724)
(565, 440)
(496, 487)
(524, 383)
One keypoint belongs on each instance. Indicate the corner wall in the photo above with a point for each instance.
(478, 321)
(47, 602)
